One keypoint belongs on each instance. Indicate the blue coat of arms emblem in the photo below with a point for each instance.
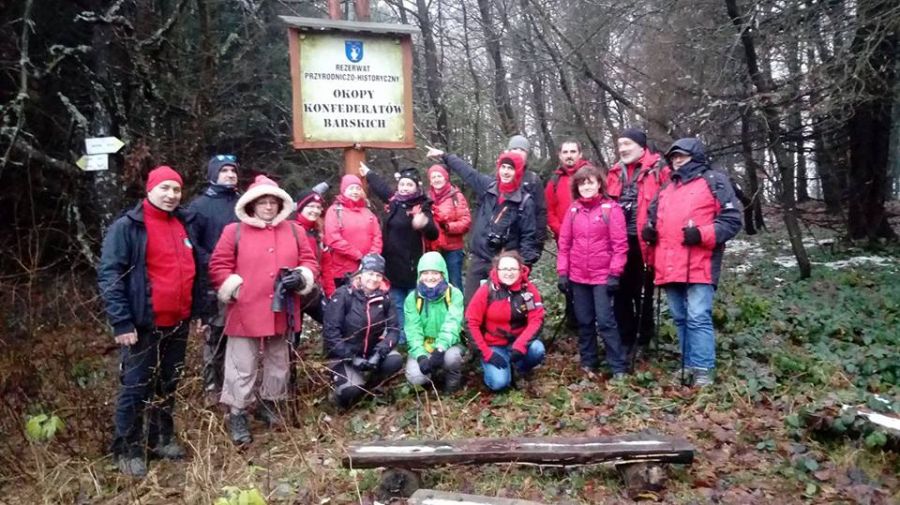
(354, 50)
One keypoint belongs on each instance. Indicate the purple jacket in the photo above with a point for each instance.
(593, 243)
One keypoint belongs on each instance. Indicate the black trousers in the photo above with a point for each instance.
(149, 375)
(634, 299)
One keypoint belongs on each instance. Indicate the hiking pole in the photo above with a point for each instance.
(686, 287)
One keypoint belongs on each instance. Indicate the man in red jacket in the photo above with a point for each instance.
(151, 281)
(634, 181)
(558, 194)
(689, 223)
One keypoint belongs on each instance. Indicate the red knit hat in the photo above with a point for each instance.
(349, 180)
(440, 169)
(161, 174)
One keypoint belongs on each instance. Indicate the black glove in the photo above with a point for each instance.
(497, 361)
(374, 360)
(650, 235)
(360, 363)
(516, 356)
(691, 235)
(424, 364)
(436, 361)
(292, 280)
(612, 283)
(563, 284)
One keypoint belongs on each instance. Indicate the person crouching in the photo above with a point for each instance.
(504, 318)
(360, 334)
(433, 324)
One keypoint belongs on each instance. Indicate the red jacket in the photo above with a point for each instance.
(314, 237)
(170, 266)
(653, 175)
(256, 260)
(700, 196)
(451, 213)
(592, 243)
(559, 195)
(500, 315)
(351, 232)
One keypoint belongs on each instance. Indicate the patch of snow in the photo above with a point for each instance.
(856, 261)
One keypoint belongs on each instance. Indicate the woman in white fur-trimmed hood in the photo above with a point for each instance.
(248, 259)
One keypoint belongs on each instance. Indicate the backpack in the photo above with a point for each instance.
(237, 237)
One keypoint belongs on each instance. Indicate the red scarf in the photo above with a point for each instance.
(437, 196)
(350, 204)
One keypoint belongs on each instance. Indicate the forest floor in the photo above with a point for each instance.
(790, 353)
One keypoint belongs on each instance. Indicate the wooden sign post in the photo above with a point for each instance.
(352, 85)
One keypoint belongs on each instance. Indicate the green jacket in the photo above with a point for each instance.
(435, 324)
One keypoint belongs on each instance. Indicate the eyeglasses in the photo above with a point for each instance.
(510, 269)
(226, 157)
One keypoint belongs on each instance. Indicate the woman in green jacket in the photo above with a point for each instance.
(433, 323)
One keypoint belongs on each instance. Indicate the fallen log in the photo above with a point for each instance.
(432, 497)
(421, 454)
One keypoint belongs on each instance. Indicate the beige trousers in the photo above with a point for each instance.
(242, 356)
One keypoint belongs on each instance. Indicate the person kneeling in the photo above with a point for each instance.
(360, 334)
(504, 319)
(433, 322)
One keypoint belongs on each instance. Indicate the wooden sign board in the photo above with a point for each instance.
(351, 83)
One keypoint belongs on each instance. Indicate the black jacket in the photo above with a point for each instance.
(122, 273)
(517, 225)
(214, 209)
(403, 245)
(359, 325)
(534, 186)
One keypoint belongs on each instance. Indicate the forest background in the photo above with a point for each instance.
(798, 100)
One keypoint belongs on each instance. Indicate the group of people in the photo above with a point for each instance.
(241, 270)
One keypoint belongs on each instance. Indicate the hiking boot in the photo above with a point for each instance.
(452, 382)
(132, 466)
(675, 378)
(239, 428)
(702, 378)
(168, 449)
(267, 411)
(619, 377)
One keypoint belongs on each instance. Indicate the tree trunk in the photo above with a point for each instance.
(753, 217)
(505, 111)
(795, 121)
(476, 81)
(870, 125)
(537, 88)
(433, 80)
(763, 83)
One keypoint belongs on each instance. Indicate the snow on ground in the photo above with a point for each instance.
(747, 254)
(856, 261)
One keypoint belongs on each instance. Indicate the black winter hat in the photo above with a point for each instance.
(409, 173)
(636, 135)
(308, 196)
(372, 262)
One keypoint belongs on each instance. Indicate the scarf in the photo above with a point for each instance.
(432, 294)
(350, 204)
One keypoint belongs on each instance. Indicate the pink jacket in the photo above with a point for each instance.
(593, 242)
(244, 267)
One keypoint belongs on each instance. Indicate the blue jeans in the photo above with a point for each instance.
(691, 308)
(398, 298)
(149, 368)
(594, 313)
(454, 261)
(498, 379)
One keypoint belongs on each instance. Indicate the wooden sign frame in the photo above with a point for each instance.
(401, 33)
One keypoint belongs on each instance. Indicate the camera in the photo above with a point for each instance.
(495, 241)
(281, 291)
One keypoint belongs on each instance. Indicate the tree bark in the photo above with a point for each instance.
(433, 79)
(870, 125)
(753, 217)
(795, 121)
(764, 86)
(502, 100)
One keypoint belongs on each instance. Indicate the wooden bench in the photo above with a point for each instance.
(432, 497)
(637, 456)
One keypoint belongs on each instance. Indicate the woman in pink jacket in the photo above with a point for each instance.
(261, 265)
(593, 246)
(351, 230)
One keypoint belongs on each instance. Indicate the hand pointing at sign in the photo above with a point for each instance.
(434, 152)
(364, 169)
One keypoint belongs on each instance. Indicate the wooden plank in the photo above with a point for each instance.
(432, 497)
(303, 23)
(637, 448)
